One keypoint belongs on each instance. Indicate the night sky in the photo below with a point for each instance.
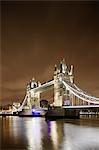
(36, 35)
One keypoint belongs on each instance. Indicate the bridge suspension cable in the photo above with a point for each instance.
(81, 95)
(23, 103)
(76, 89)
(86, 94)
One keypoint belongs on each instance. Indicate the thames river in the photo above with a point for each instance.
(27, 133)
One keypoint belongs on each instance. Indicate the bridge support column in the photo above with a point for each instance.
(58, 93)
(35, 99)
(38, 99)
(71, 97)
(57, 99)
(29, 100)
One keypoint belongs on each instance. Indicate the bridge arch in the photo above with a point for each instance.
(44, 103)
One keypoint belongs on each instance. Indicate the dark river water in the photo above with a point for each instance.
(18, 133)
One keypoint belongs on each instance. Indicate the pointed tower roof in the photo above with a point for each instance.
(33, 79)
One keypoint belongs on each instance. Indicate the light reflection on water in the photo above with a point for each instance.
(54, 134)
(33, 133)
(37, 134)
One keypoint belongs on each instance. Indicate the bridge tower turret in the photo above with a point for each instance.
(71, 74)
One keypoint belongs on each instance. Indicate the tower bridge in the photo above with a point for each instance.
(66, 93)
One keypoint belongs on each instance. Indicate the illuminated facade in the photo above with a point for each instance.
(61, 73)
(33, 97)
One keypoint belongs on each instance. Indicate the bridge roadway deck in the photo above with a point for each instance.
(81, 107)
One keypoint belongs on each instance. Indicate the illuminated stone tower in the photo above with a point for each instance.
(33, 97)
(57, 88)
(62, 73)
